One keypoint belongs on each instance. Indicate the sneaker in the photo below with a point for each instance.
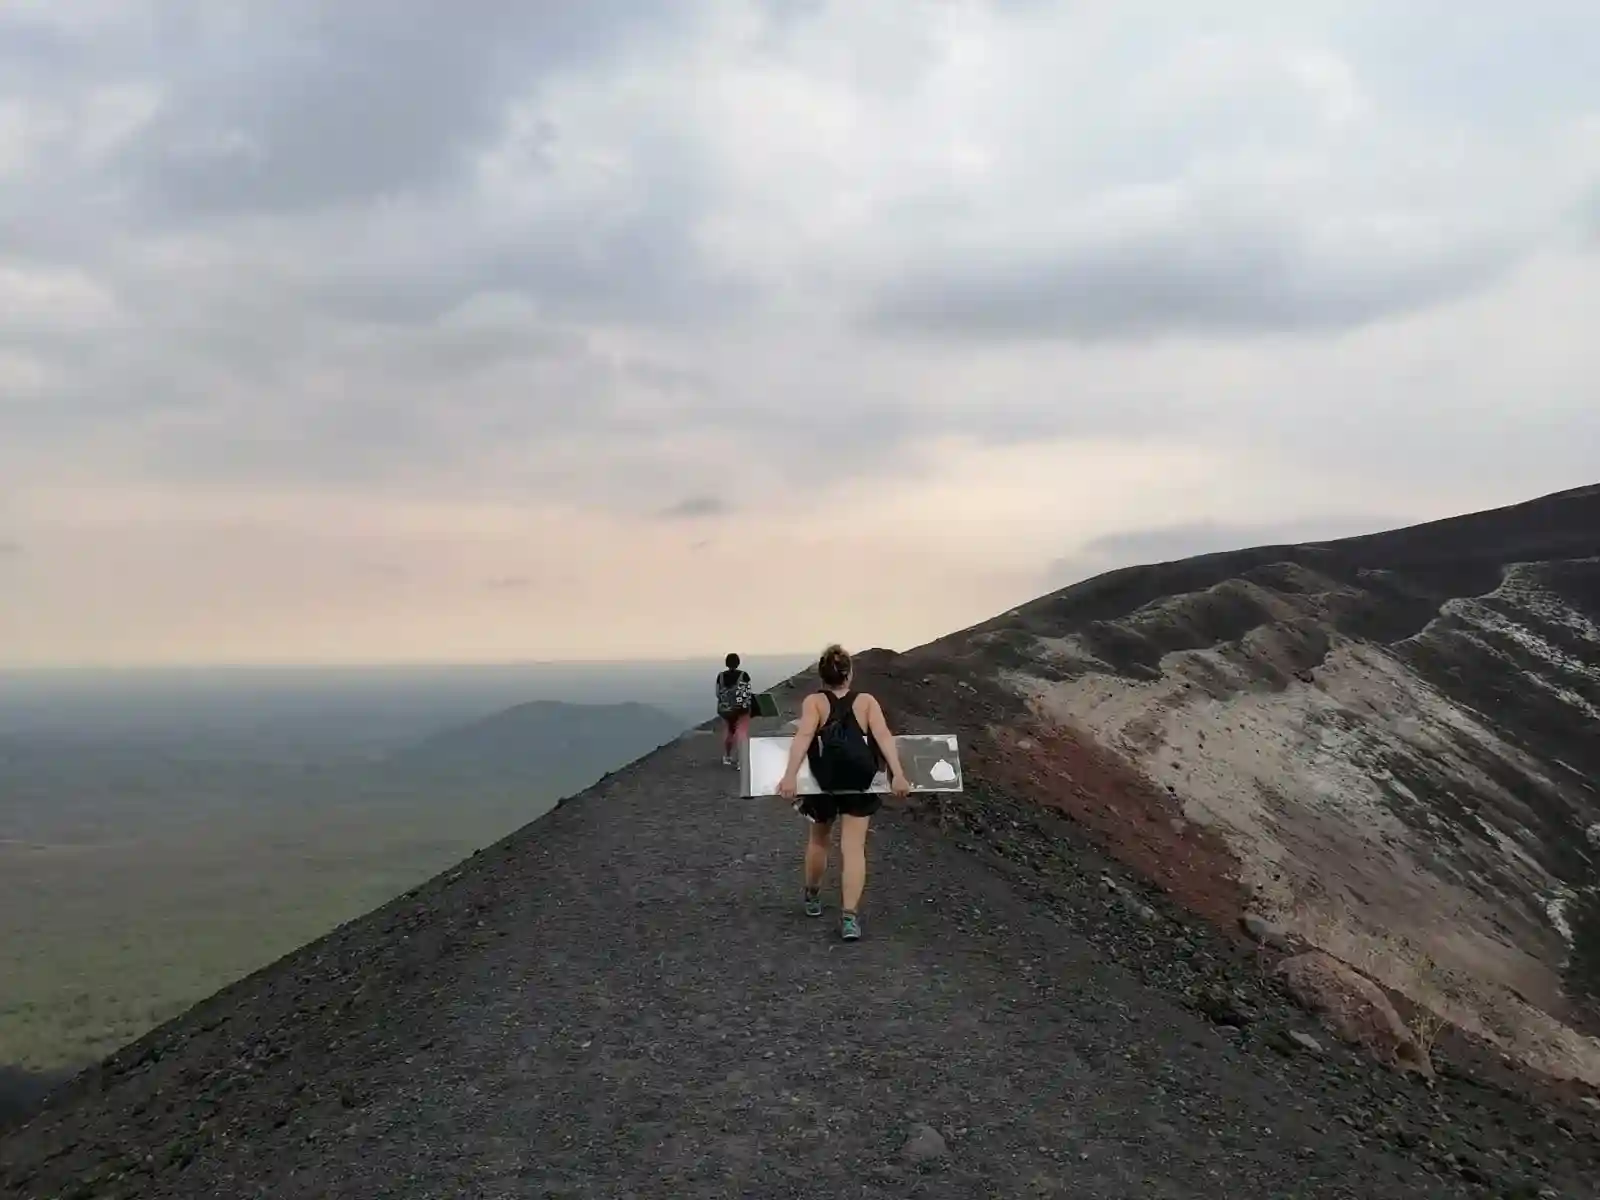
(727, 761)
(813, 904)
(849, 927)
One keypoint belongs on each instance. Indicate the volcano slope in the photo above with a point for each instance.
(623, 999)
(1396, 738)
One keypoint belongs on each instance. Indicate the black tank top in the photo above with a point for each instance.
(842, 709)
(847, 702)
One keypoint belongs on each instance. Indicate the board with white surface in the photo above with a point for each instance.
(932, 762)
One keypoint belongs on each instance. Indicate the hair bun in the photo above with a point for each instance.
(834, 665)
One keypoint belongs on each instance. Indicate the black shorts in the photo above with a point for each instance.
(825, 808)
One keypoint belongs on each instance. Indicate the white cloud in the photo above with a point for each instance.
(846, 278)
(53, 300)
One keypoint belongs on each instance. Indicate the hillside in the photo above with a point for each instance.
(1054, 996)
(1396, 738)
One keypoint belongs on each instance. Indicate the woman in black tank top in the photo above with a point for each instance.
(844, 737)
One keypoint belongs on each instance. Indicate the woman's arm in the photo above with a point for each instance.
(803, 733)
(879, 728)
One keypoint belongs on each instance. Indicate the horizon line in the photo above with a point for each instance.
(387, 665)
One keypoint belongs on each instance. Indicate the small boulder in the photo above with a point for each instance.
(1223, 1007)
(1305, 1042)
(1263, 932)
(924, 1144)
(1139, 909)
(1354, 1008)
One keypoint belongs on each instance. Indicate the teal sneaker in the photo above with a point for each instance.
(850, 927)
(813, 904)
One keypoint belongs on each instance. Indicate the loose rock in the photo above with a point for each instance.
(1355, 1009)
(1138, 908)
(1263, 931)
(1223, 1007)
(925, 1145)
(1305, 1041)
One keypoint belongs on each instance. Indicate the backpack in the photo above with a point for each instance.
(842, 756)
(733, 692)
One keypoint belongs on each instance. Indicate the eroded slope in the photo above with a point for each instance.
(1397, 736)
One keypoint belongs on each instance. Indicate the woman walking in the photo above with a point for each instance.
(734, 701)
(843, 735)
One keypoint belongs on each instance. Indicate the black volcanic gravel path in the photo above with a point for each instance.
(624, 1000)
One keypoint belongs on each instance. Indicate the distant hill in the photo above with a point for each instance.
(544, 738)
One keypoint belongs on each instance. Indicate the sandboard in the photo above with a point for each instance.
(932, 761)
(765, 705)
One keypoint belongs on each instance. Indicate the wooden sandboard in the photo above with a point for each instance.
(931, 760)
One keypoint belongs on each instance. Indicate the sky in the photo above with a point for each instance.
(405, 330)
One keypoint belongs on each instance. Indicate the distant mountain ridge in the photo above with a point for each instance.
(544, 736)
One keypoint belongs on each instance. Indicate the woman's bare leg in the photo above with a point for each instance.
(817, 855)
(853, 859)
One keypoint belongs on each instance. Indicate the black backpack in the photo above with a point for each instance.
(842, 756)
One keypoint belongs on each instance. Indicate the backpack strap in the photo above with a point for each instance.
(836, 703)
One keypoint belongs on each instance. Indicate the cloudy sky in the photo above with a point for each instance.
(400, 329)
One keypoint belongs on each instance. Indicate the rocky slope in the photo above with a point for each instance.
(1388, 746)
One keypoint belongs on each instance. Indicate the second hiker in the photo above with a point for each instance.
(843, 735)
(734, 700)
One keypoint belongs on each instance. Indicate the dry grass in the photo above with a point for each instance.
(1426, 1025)
(1391, 961)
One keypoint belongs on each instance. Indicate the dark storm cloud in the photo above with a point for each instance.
(275, 119)
(1195, 282)
(306, 104)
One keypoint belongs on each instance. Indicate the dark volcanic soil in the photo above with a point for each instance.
(21, 1093)
(624, 999)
